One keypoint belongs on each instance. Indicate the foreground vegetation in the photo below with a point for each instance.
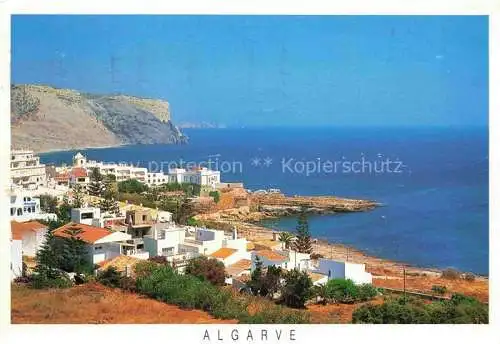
(459, 309)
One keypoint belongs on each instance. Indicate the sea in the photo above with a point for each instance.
(431, 182)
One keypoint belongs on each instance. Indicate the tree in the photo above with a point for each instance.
(78, 200)
(48, 203)
(256, 277)
(296, 289)
(67, 254)
(303, 244)
(132, 186)
(271, 281)
(96, 184)
(286, 239)
(215, 195)
(207, 269)
(108, 203)
(184, 211)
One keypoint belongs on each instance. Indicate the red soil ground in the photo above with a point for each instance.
(95, 304)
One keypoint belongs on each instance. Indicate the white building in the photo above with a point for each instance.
(233, 250)
(24, 207)
(90, 216)
(154, 179)
(120, 171)
(286, 259)
(102, 244)
(201, 176)
(166, 240)
(32, 234)
(26, 170)
(345, 270)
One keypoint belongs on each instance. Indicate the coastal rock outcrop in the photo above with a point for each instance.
(44, 118)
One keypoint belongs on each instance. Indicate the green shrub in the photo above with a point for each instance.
(207, 269)
(278, 315)
(109, 277)
(459, 309)
(45, 279)
(366, 292)
(296, 289)
(188, 291)
(439, 289)
(342, 290)
(215, 195)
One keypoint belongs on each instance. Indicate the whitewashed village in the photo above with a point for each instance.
(119, 234)
(188, 238)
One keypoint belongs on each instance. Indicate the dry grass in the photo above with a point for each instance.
(477, 288)
(95, 304)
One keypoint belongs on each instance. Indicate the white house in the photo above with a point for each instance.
(102, 244)
(201, 176)
(120, 171)
(31, 233)
(89, 216)
(26, 170)
(25, 207)
(286, 259)
(346, 270)
(166, 240)
(268, 258)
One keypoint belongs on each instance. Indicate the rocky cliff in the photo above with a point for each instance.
(44, 118)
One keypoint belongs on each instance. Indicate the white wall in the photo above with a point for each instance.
(345, 270)
(236, 256)
(298, 260)
(33, 241)
(16, 258)
(104, 251)
(172, 239)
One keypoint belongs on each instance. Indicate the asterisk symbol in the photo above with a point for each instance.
(255, 161)
(268, 161)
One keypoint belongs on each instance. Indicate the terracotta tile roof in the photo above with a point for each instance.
(271, 255)
(89, 234)
(78, 172)
(250, 246)
(19, 228)
(239, 267)
(61, 177)
(223, 253)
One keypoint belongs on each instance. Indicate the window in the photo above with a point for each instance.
(166, 251)
(81, 180)
(144, 218)
(12, 211)
(85, 216)
(96, 248)
(19, 211)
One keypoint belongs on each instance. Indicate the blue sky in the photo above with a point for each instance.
(269, 70)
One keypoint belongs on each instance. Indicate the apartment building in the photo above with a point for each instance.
(26, 170)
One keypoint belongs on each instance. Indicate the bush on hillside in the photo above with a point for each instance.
(459, 309)
(109, 277)
(296, 289)
(208, 269)
(439, 289)
(45, 278)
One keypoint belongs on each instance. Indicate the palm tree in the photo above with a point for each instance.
(286, 239)
(321, 293)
